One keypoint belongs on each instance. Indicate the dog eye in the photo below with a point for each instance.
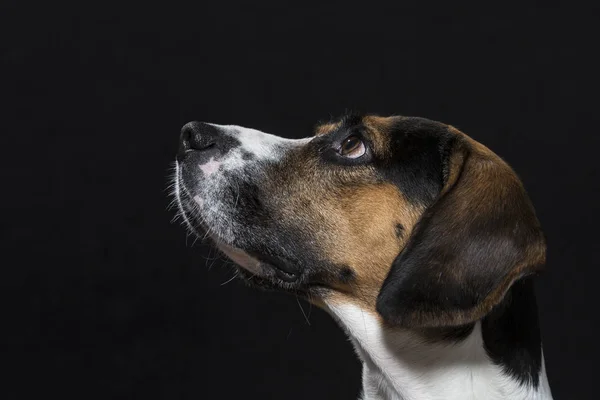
(352, 147)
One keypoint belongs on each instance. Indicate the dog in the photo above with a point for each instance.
(421, 242)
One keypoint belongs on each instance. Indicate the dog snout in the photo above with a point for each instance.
(198, 137)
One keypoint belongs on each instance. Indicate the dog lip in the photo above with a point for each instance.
(284, 269)
(284, 275)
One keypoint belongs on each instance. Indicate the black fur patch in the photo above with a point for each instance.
(447, 334)
(418, 165)
(352, 119)
(399, 230)
(511, 334)
(346, 275)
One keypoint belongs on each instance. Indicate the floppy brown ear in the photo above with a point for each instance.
(478, 237)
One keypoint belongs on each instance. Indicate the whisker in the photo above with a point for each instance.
(230, 279)
(302, 309)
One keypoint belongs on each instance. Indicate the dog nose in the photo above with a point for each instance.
(198, 136)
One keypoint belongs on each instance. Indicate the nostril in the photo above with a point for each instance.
(205, 146)
(185, 140)
(199, 141)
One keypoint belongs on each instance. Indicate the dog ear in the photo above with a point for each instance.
(470, 245)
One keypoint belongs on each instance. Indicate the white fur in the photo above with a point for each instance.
(262, 146)
(177, 191)
(397, 365)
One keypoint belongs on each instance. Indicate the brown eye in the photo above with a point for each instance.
(352, 147)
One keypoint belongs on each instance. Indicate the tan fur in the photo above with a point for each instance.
(324, 129)
(370, 248)
(351, 216)
(380, 128)
(536, 256)
(366, 238)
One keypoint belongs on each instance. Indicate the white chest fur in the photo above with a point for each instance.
(398, 365)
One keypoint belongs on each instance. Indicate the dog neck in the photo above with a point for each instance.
(499, 357)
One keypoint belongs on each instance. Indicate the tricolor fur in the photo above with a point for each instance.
(420, 242)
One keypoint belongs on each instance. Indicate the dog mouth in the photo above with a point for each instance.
(284, 269)
(270, 272)
(259, 268)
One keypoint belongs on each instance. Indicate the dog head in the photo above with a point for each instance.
(402, 215)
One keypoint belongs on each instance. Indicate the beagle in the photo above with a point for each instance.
(421, 242)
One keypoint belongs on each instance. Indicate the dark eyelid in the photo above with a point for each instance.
(328, 146)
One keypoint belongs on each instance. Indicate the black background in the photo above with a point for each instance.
(105, 298)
